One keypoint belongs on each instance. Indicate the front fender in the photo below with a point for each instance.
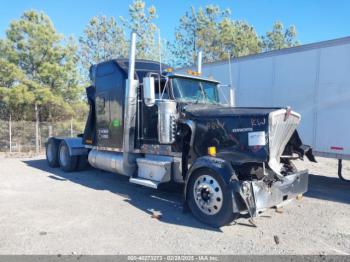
(225, 170)
(220, 166)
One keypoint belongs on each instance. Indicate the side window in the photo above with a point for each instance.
(210, 92)
(164, 90)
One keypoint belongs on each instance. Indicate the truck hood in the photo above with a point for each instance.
(241, 134)
(207, 110)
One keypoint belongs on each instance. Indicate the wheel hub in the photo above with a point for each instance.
(205, 194)
(208, 194)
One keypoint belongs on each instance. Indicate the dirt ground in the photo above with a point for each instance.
(47, 211)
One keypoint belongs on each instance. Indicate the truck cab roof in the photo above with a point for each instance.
(172, 74)
(142, 67)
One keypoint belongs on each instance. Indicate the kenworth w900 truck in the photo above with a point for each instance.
(161, 127)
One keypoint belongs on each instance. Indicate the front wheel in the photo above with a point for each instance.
(210, 198)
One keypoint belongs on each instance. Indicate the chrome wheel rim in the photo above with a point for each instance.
(49, 152)
(64, 155)
(207, 194)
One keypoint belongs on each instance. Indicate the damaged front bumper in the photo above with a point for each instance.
(259, 196)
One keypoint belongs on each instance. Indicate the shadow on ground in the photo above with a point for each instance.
(329, 188)
(169, 204)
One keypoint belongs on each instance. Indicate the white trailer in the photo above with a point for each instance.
(313, 79)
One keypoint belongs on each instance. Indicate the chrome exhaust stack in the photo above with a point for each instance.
(129, 159)
(199, 62)
(122, 162)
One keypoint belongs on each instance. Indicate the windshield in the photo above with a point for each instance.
(193, 90)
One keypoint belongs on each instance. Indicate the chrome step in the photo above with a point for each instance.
(144, 182)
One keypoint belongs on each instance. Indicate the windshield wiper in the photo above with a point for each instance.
(202, 90)
(200, 87)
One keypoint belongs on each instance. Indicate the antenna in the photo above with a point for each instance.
(160, 54)
(232, 94)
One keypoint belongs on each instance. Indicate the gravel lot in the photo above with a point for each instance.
(47, 211)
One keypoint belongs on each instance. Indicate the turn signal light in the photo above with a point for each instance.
(194, 73)
(212, 151)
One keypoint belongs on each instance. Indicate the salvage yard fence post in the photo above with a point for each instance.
(10, 132)
(36, 129)
(71, 127)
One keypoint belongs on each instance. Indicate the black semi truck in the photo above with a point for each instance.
(160, 127)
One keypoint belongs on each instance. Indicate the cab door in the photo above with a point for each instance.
(102, 119)
(110, 95)
(150, 115)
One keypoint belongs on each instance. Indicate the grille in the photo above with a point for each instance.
(280, 131)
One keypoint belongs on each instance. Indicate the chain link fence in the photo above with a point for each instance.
(25, 137)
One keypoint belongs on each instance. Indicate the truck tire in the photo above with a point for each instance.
(52, 153)
(209, 198)
(67, 162)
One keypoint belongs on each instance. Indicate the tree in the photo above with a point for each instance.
(103, 39)
(42, 66)
(141, 22)
(213, 31)
(279, 38)
(9, 73)
(16, 102)
(238, 38)
(197, 31)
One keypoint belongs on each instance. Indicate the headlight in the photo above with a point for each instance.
(246, 188)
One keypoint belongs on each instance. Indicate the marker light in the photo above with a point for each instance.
(212, 151)
(194, 73)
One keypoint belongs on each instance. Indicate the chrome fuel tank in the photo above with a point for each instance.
(108, 161)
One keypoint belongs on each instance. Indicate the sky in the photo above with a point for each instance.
(315, 20)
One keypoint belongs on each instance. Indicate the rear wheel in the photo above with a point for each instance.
(209, 198)
(67, 162)
(52, 153)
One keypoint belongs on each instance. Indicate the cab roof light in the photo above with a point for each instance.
(194, 73)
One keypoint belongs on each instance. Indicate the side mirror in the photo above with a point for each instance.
(149, 95)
